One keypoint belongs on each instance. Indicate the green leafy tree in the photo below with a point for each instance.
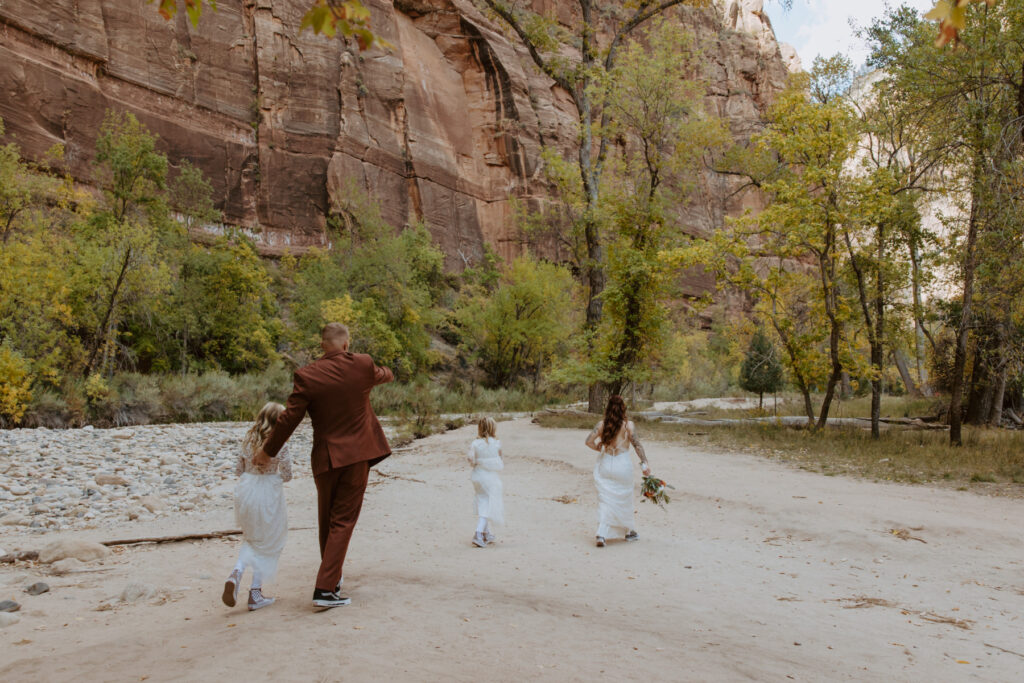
(514, 330)
(37, 270)
(579, 59)
(191, 196)
(222, 313)
(393, 281)
(813, 133)
(761, 371)
(971, 97)
(790, 255)
(346, 18)
(659, 113)
(122, 239)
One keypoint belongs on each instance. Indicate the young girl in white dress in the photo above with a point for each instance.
(613, 473)
(259, 511)
(485, 457)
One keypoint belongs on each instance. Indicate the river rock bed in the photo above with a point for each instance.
(67, 479)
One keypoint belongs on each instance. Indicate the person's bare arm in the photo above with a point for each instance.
(594, 437)
(639, 448)
(294, 411)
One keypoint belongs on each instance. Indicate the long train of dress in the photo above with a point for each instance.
(613, 476)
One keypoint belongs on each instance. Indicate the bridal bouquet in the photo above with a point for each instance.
(654, 490)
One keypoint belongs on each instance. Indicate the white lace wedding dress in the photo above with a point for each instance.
(261, 513)
(613, 477)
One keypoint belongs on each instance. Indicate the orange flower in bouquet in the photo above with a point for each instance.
(653, 489)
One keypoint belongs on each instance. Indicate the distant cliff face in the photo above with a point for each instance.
(445, 128)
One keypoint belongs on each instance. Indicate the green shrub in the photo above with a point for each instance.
(15, 385)
(49, 409)
(178, 398)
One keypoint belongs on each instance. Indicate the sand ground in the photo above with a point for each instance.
(755, 571)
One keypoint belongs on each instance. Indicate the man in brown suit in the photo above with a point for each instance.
(347, 442)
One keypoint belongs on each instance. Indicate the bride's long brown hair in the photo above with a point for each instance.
(614, 416)
(265, 421)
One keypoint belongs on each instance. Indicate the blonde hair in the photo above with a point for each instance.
(265, 421)
(487, 427)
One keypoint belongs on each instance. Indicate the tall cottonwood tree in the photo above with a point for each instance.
(658, 113)
(595, 39)
(812, 132)
(124, 235)
(973, 95)
(898, 159)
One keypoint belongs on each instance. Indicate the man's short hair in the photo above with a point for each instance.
(335, 333)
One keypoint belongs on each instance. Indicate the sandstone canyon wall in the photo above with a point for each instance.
(446, 128)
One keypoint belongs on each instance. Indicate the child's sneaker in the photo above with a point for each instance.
(632, 536)
(258, 600)
(478, 540)
(489, 537)
(600, 541)
(230, 595)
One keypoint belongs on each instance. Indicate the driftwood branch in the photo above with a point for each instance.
(175, 539)
(1003, 649)
(187, 537)
(32, 555)
(24, 556)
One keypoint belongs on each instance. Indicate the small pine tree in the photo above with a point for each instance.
(761, 369)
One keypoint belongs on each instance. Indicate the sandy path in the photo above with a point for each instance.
(752, 573)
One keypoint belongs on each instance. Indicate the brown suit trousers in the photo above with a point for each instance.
(339, 495)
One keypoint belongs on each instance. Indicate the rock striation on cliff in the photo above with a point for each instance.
(446, 128)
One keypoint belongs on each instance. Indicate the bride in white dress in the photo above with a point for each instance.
(613, 473)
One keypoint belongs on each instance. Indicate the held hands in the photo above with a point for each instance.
(260, 458)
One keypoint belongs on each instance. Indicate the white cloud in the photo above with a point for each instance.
(822, 27)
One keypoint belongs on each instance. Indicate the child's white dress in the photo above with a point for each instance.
(486, 459)
(260, 511)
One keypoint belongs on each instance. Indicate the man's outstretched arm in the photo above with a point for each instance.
(382, 375)
(294, 411)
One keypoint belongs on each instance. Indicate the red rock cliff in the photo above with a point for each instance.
(447, 127)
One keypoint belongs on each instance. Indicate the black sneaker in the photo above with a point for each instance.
(328, 599)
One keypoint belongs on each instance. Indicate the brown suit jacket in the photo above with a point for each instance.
(335, 390)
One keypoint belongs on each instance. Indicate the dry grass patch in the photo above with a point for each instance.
(990, 459)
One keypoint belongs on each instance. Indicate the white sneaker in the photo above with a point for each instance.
(489, 537)
(230, 595)
(478, 540)
(632, 536)
(257, 600)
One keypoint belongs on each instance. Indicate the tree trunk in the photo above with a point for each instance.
(975, 412)
(102, 330)
(900, 359)
(597, 396)
(919, 331)
(966, 313)
(995, 415)
(845, 386)
(826, 264)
